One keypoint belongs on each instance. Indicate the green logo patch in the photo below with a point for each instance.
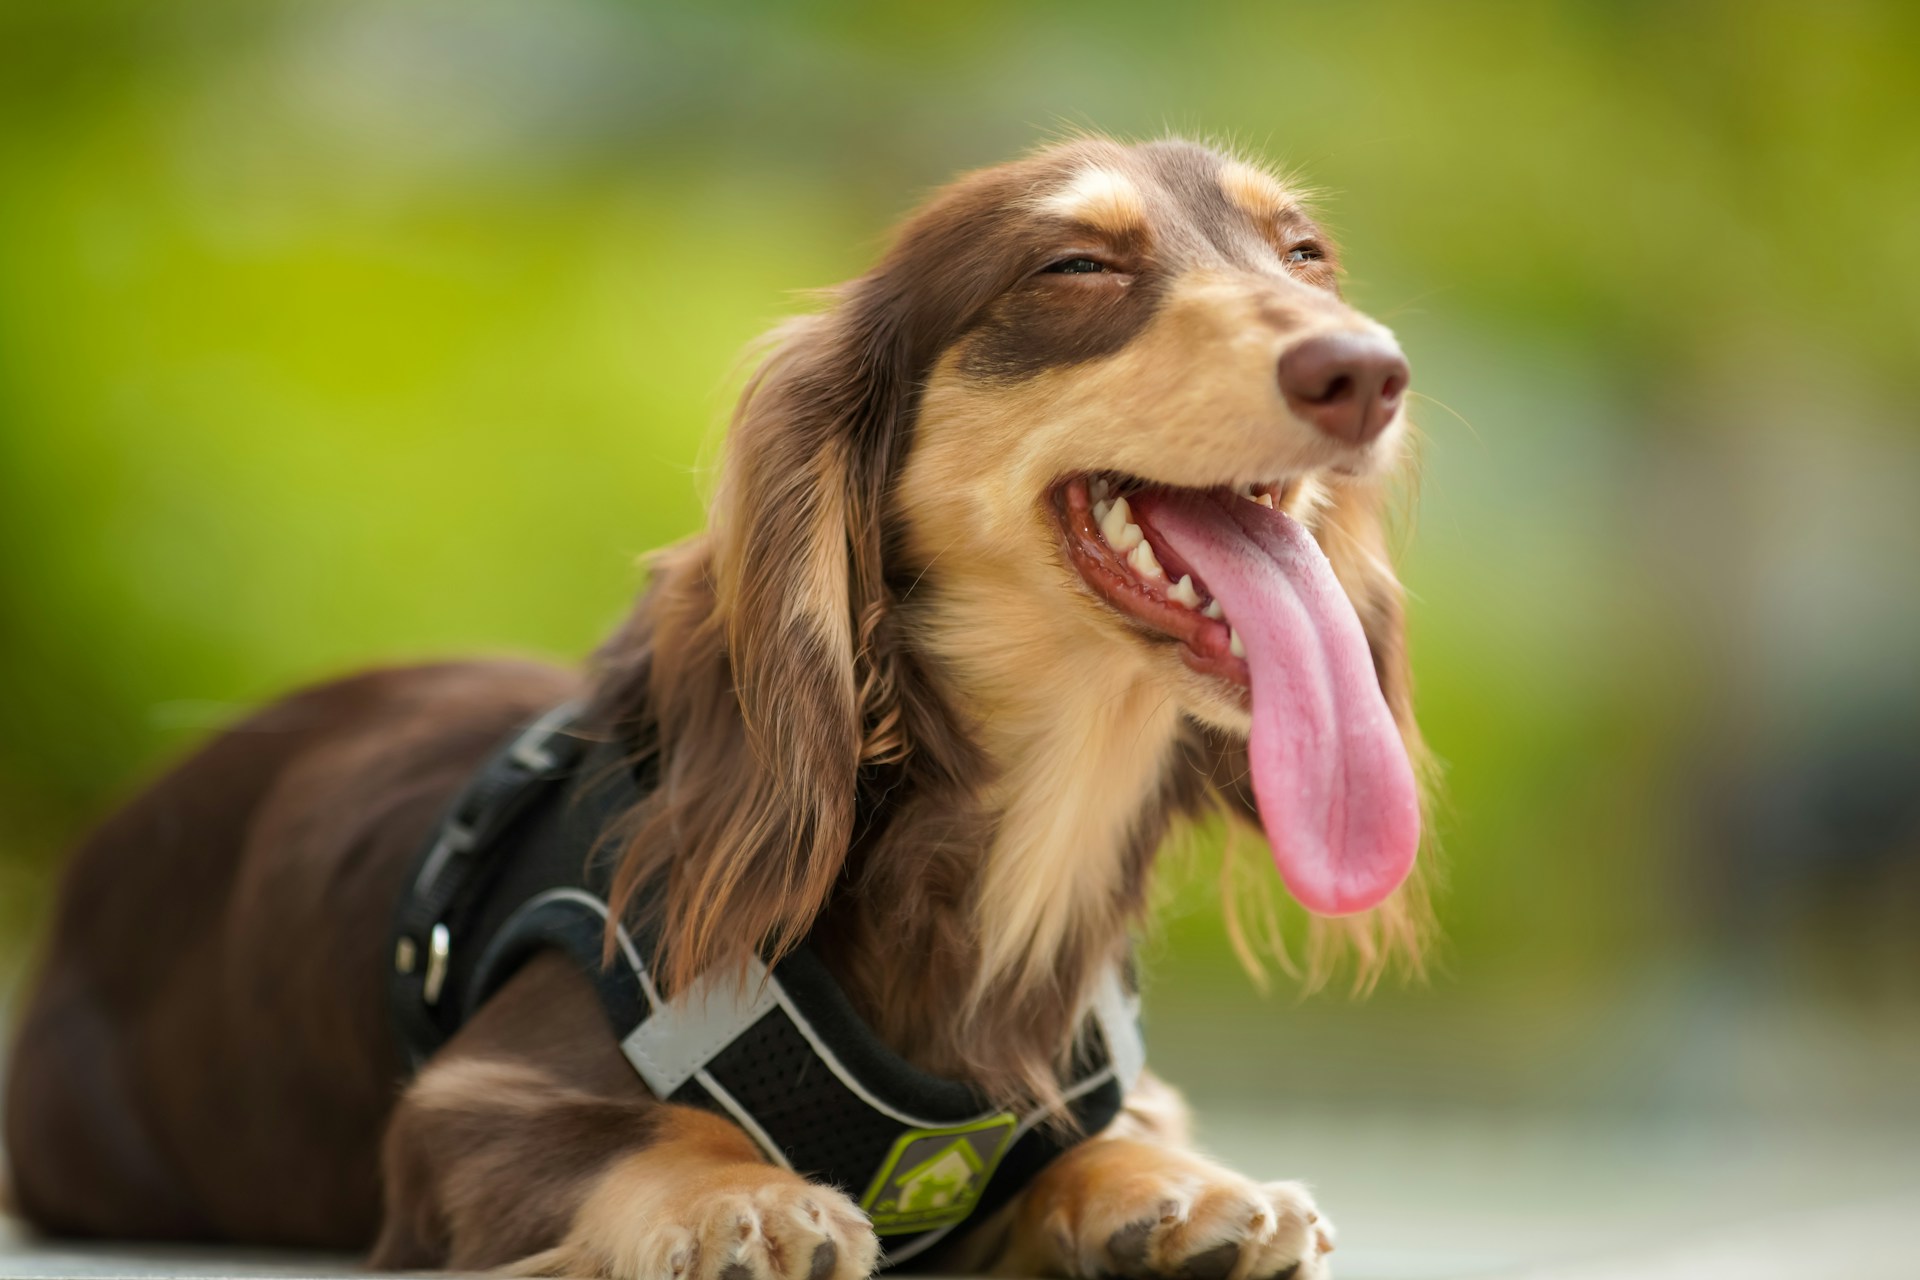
(934, 1177)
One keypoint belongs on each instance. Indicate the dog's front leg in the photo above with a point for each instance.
(528, 1145)
(1137, 1201)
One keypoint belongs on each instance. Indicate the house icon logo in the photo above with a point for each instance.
(938, 1182)
(934, 1177)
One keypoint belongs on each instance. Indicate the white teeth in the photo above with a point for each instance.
(1183, 593)
(1098, 489)
(1118, 528)
(1265, 500)
(1100, 510)
(1234, 646)
(1214, 611)
(1144, 562)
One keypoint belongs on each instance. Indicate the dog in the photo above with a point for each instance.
(1061, 526)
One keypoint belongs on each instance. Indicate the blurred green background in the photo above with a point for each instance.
(351, 333)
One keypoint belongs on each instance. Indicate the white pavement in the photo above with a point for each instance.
(1458, 1196)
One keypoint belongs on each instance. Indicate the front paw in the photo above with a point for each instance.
(1118, 1207)
(741, 1222)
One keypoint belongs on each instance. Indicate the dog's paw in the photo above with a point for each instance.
(1146, 1212)
(785, 1229)
(741, 1222)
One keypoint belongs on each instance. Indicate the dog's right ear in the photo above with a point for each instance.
(763, 683)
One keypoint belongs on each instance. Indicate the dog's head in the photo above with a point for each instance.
(1098, 421)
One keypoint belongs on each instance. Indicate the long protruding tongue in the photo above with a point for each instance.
(1330, 771)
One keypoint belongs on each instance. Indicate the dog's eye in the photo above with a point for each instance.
(1305, 253)
(1076, 267)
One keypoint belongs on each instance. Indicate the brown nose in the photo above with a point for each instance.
(1347, 384)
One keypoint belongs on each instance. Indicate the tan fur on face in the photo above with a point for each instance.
(1102, 199)
(1083, 714)
(1193, 401)
(1257, 192)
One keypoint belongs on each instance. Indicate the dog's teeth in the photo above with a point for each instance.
(1144, 562)
(1234, 646)
(1100, 510)
(1183, 593)
(1098, 489)
(1214, 611)
(1265, 500)
(1118, 528)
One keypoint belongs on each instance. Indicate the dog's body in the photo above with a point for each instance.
(917, 697)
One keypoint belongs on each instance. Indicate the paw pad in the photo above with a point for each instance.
(1128, 1246)
(1211, 1264)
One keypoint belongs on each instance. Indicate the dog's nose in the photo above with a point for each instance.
(1347, 384)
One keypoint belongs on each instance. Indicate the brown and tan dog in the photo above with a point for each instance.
(1016, 560)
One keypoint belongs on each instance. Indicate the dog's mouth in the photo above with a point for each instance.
(1247, 596)
(1133, 567)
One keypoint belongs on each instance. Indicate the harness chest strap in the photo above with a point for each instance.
(513, 870)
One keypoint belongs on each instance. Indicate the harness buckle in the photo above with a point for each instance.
(439, 948)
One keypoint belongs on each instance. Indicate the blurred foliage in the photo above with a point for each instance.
(347, 333)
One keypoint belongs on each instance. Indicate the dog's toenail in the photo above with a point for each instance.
(826, 1256)
(1211, 1264)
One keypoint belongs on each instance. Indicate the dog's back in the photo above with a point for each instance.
(205, 1052)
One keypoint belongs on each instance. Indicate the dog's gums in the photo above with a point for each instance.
(1118, 554)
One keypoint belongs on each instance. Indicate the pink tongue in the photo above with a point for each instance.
(1330, 772)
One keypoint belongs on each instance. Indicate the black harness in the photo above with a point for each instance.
(520, 864)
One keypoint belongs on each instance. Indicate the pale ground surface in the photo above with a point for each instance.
(1720, 1140)
(1465, 1197)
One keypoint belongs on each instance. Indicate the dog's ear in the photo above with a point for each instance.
(797, 531)
(767, 691)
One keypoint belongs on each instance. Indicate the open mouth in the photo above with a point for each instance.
(1247, 595)
(1131, 565)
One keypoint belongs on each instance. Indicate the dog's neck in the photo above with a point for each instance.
(979, 923)
(1079, 756)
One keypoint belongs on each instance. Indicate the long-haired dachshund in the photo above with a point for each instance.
(1058, 527)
